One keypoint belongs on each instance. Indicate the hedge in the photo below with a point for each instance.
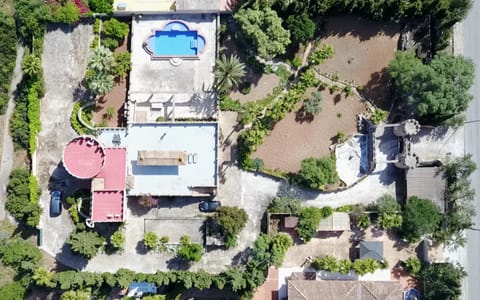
(8, 53)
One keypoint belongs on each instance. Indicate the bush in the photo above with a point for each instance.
(118, 240)
(319, 56)
(296, 62)
(231, 220)
(308, 221)
(228, 104)
(316, 173)
(348, 90)
(86, 116)
(364, 266)
(85, 243)
(122, 64)
(333, 88)
(378, 116)
(327, 263)
(340, 137)
(67, 14)
(101, 6)
(285, 205)
(190, 251)
(12, 291)
(413, 266)
(21, 255)
(312, 104)
(8, 53)
(151, 240)
(23, 194)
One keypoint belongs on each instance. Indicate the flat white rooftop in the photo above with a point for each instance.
(198, 140)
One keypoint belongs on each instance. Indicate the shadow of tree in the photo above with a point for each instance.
(241, 257)
(176, 263)
(140, 248)
(68, 258)
(358, 27)
(377, 89)
(302, 116)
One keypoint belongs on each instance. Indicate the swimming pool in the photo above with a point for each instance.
(176, 39)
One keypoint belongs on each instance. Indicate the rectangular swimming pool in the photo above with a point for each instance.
(175, 43)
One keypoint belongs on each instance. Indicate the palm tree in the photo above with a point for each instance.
(31, 65)
(100, 83)
(101, 59)
(228, 73)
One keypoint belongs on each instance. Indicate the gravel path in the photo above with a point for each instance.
(6, 144)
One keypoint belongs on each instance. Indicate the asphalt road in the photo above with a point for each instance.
(471, 49)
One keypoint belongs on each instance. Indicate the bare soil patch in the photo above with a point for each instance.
(294, 138)
(363, 50)
(260, 89)
(116, 98)
(21, 159)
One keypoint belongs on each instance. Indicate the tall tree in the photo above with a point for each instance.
(228, 71)
(434, 93)
(420, 217)
(442, 281)
(231, 220)
(263, 28)
(85, 243)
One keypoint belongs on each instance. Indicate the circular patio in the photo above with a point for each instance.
(84, 157)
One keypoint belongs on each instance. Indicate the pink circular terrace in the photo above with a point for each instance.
(83, 157)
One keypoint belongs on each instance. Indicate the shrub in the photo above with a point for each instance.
(122, 64)
(333, 88)
(21, 255)
(378, 116)
(8, 53)
(101, 6)
(22, 199)
(271, 250)
(285, 205)
(118, 240)
(312, 104)
(363, 221)
(86, 116)
(151, 240)
(85, 243)
(348, 90)
(12, 291)
(319, 56)
(327, 263)
(67, 14)
(413, 266)
(364, 266)
(318, 172)
(296, 62)
(340, 137)
(309, 218)
(231, 220)
(228, 104)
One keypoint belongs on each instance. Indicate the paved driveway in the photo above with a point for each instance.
(64, 63)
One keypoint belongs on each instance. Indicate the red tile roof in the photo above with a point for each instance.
(83, 157)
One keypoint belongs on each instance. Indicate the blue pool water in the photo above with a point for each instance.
(176, 40)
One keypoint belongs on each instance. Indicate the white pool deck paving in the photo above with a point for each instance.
(178, 88)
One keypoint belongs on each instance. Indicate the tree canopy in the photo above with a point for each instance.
(433, 93)
(85, 243)
(231, 221)
(309, 219)
(20, 254)
(301, 28)
(229, 72)
(271, 249)
(442, 281)
(420, 217)
(263, 28)
(318, 172)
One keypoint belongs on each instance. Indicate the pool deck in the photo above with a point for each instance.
(178, 89)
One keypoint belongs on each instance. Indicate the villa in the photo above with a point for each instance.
(169, 146)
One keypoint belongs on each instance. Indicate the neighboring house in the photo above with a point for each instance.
(129, 7)
(337, 221)
(371, 249)
(427, 183)
(343, 290)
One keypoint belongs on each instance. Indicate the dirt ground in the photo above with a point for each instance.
(260, 89)
(115, 98)
(294, 138)
(363, 49)
(333, 243)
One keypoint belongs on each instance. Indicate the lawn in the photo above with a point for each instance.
(294, 139)
(363, 49)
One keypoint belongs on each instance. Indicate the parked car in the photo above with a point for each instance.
(208, 206)
(56, 203)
